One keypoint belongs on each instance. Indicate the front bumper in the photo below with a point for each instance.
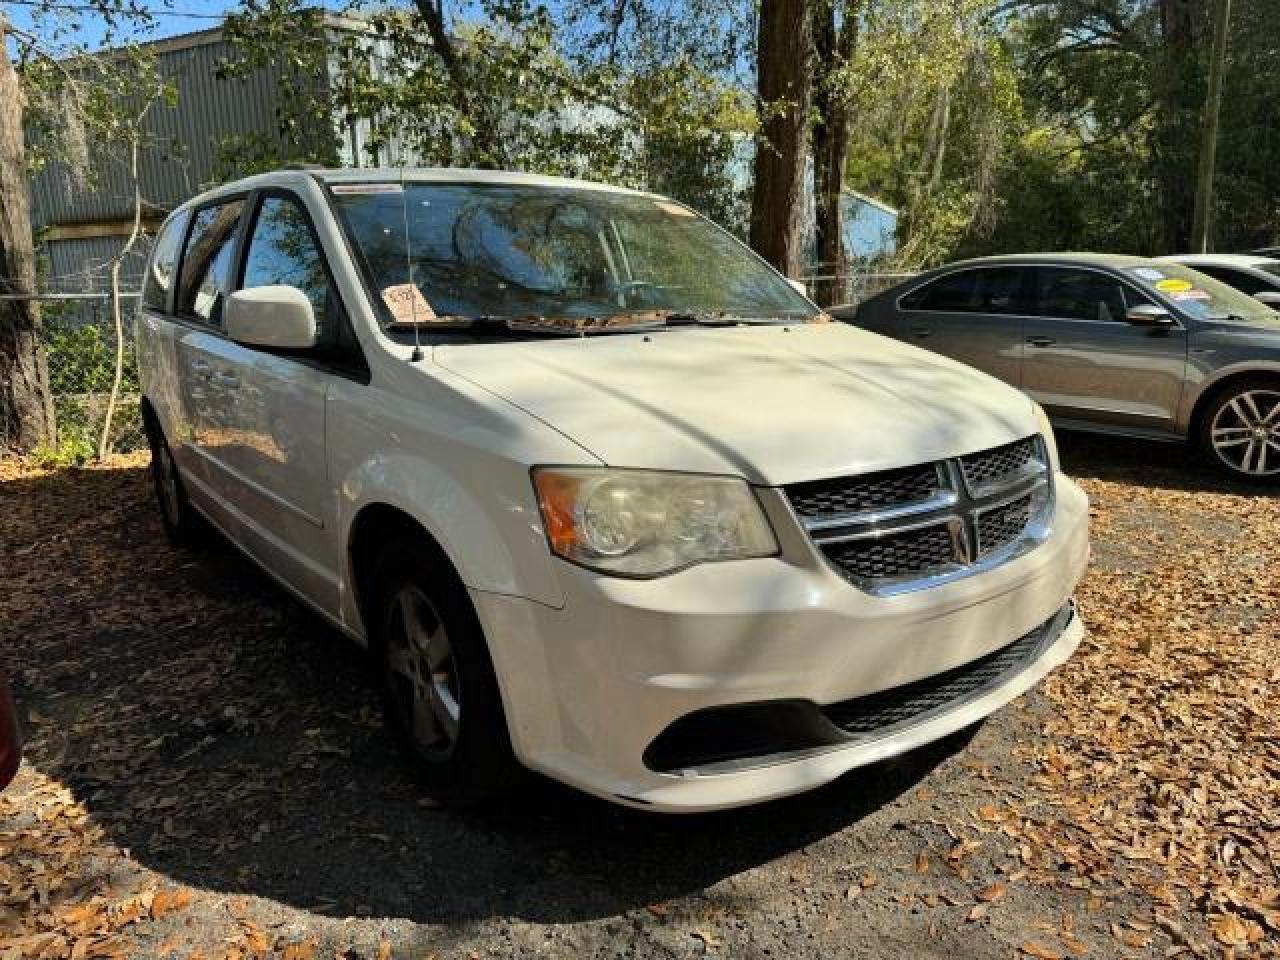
(590, 686)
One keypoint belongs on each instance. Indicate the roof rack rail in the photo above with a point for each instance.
(304, 166)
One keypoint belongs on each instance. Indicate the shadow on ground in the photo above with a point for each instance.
(1172, 466)
(232, 741)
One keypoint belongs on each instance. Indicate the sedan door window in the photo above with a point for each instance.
(207, 262)
(1001, 290)
(954, 293)
(1080, 295)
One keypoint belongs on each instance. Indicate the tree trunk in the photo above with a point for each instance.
(833, 46)
(487, 146)
(784, 83)
(26, 404)
(1179, 98)
(1209, 145)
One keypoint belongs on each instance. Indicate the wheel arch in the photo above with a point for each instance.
(373, 526)
(1216, 387)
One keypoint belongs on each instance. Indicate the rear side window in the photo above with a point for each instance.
(164, 262)
(283, 250)
(1001, 290)
(1080, 295)
(207, 262)
(954, 292)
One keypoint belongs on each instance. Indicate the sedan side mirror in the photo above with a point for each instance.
(274, 316)
(1270, 297)
(1149, 315)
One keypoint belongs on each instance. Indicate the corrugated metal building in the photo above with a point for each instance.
(81, 227)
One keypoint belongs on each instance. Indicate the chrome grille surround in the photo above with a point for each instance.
(984, 509)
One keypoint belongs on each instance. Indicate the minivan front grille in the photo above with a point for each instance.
(1003, 524)
(1001, 464)
(894, 555)
(899, 530)
(874, 491)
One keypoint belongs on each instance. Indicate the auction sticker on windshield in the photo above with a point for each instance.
(1174, 285)
(407, 304)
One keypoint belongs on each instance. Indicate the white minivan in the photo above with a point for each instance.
(603, 495)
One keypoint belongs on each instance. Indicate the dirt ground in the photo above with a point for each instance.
(206, 775)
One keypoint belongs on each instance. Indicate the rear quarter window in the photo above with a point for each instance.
(163, 264)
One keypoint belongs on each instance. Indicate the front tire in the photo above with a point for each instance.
(1240, 430)
(440, 694)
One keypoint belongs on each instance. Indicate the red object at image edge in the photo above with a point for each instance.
(10, 738)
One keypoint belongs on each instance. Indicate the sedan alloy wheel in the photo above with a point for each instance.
(1245, 432)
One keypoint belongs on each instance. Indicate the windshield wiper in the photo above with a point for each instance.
(551, 325)
(719, 318)
(574, 325)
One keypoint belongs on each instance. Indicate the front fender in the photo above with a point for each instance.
(1234, 360)
(495, 540)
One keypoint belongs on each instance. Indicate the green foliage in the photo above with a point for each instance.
(81, 365)
(514, 88)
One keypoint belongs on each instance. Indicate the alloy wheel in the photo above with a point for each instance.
(1245, 433)
(423, 672)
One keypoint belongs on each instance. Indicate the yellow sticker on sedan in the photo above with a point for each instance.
(1174, 285)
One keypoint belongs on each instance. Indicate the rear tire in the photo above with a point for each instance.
(1239, 432)
(440, 694)
(182, 525)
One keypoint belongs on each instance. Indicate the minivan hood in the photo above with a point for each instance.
(773, 404)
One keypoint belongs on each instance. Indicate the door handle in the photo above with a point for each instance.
(921, 332)
(1041, 341)
(229, 380)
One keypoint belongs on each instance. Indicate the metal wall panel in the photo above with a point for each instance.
(81, 265)
(181, 157)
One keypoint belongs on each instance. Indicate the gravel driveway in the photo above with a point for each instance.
(207, 775)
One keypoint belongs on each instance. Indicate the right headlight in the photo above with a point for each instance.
(644, 523)
(1046, 431)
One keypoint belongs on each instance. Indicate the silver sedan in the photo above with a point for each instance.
(1110, 344)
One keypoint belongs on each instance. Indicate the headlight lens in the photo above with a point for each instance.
(642, 523)
(1046, 431)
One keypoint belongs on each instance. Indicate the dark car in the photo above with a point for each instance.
(10, 737)
(1111, 344)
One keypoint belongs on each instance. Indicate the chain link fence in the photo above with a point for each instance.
(837, 289)
(79, 337)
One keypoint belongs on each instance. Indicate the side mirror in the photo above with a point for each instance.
(1149, 315)
(1270, 297)
(274, 316)
(798, 286)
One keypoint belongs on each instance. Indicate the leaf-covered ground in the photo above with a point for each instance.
(206, 775)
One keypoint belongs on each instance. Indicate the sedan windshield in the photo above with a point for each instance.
(1199, 294)
(536, 257)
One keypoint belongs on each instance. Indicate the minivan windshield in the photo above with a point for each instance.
(460, 254)
(1199, 294)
